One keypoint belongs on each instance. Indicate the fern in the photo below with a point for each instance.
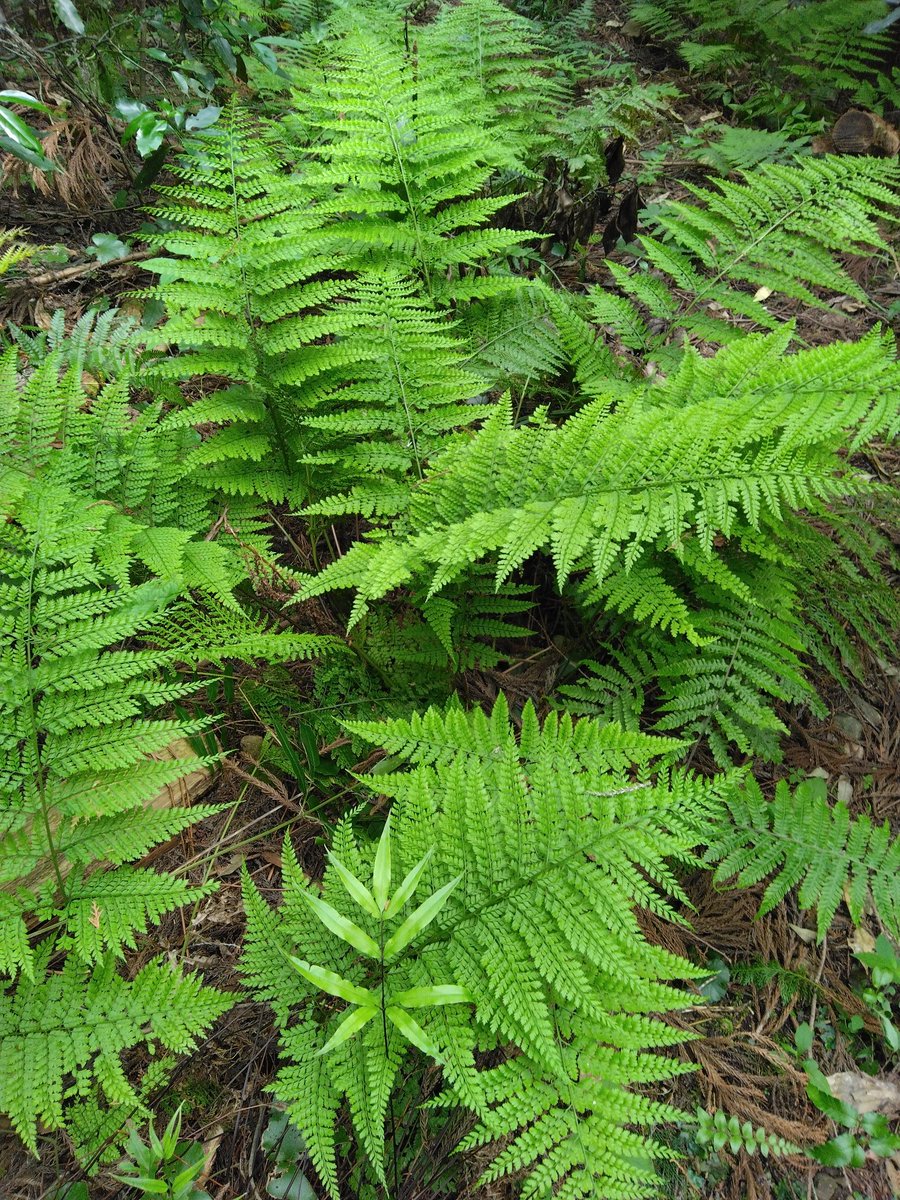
(539, 847)
(62, 1034)
(388, 140)
(76, 775)
(13, 252)
(510, 84)
(672, 510)
(803, 842)
(138, 459)
(848, 598)
(285, 282)
(811, 51)
(750, 658)
(244, 283)
(378, 431)
(713, 452)
(105, 345)
(718, 1130)
(781, 231)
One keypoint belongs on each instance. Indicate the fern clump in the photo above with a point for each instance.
(526, 856)
(668, 507)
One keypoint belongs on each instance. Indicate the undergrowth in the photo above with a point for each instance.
(382, 432)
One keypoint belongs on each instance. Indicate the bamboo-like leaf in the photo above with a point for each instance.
(14, 97)
(342, 926)
(381, 876)
(409, 884)
(355, 888)
(69, 15)
(355, 1020)
(331, 982)
(412, 1031)
(438, 993)
(418, 920)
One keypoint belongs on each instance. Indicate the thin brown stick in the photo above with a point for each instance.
(48, 278)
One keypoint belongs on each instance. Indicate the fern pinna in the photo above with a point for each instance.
(521, 860)
(668, 505)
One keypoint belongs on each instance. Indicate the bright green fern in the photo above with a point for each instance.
(525, 855)
(710, 265)
(803, 842)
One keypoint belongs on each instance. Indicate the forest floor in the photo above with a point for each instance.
(746, 1049)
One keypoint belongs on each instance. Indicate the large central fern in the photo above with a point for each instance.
(548, 841)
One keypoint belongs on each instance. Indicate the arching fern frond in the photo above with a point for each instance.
(687, 468)
(79, 729)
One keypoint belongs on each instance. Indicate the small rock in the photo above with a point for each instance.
(826, 1186)
(850, 726)
(867, 1093)
(867, 711)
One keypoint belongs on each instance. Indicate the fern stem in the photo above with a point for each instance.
(384, 1034)
(31, 718)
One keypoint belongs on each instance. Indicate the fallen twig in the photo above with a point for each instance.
(47, 278)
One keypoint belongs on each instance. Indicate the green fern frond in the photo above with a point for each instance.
(508, 83)
(803, 842)
(389, 141)
(537, 846)
(106, 345)
(780, 231)
(409, 394)
(715, 454)
(63, 1032)
(77, 725)
(13, 251)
